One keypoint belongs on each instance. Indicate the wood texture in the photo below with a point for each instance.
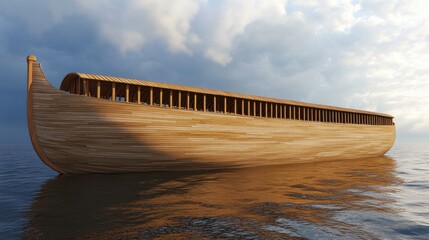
(78, 134)
(70, 77)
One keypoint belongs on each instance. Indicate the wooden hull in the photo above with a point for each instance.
(78, 134)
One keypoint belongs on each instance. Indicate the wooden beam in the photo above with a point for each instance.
(242, 106)
(188, 101)
(224, 104)
(138, 94)
(266, 109)
(151, 96)
(254, 108)
(171, 98)
(276, 111)
(113, 92)
(248, 107)
(85, 87)
(281, 111)
(235, 105)
(160, 97)
(195, 101)
(98, 89)
(204, 103)
(127, 93)
(260, 109)
(271, 113)
(180, 100)
(214, 103)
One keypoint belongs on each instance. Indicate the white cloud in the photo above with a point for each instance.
(230, 19)
(131, 24)
(354, 53)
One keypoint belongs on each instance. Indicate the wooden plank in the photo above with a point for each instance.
(151, 95)
(204, 103)
(171, 98)
(160, 97)
(214, 103)
(195, 101)
(242, 106)
(248, 107)
(224, 105)
(180, 100)
(235, 105)
(139, 94)
(276, 112)
(188, 101)
(266, 109)
(98, 89)
(254, 108)
(113, 92)
(260, 109)
(127, 93)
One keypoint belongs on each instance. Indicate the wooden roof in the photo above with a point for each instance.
(72, 76)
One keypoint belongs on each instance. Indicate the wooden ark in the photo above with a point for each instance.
(100, 124)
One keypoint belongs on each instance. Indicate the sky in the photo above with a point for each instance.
(370, 55)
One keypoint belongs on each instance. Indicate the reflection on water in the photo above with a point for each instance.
(346, 199)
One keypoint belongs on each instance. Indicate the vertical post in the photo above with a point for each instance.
(188, 101)
(235, 105)
(113, 92)
(271, 108)
(281, 111)
(276, 111)
(242, 106)
(180, 100)
(214, 104)
(254, 108)
(204, 102)
(260, 109)
(151, 96)
(98, 89)
(160, 97)
(171, 98)
(127, 93)
(85, 87)
(224, 104)
(30, 60)
(139, 94)
(248, 107)
(195, 101)
(266, 109)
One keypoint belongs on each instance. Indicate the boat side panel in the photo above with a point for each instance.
(82, 134)
(34, 74)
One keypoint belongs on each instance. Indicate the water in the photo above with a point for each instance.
(378, 198)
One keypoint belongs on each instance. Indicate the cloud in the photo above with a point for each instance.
(130, 25)
(370, 55)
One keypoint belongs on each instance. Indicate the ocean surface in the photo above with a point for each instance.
(375, 198)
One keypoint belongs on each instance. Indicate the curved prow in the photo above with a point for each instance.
(32, 67)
